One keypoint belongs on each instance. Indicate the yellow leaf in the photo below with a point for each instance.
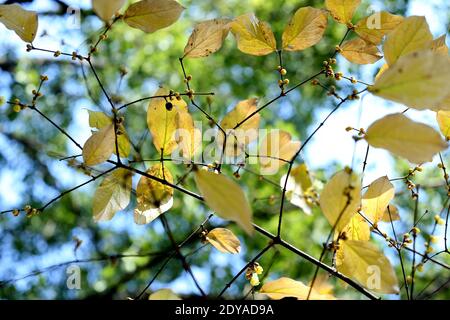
(225, 197)
(305, 29)
(298, 187)
(342, 10)
(253, 36)
(443, 105)
(112, 195)
(106, 9)
(340, 199)
(376, 199)
(373, 28)
(187, 137)
(360, 52)
(100, 120)
(443, 119)
(164, 294)
(99, 147)
(391, 213)
(439, 46)
(23, 22)
(224, 240)
(163, 122)
(414, 141)
(153, 197)
(276, 149)
(418, 80)
(207, 38)
(413, 34)
(382, 70)
(238, 139)
(152, 15)
(357, 229)
(363, 262)
(286, 287)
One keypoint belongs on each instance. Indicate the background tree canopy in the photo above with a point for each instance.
(119, 258)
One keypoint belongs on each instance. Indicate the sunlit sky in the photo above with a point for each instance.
(332, 144)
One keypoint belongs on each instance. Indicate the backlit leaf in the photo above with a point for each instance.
(286, 287)
(360, 52)
(363, 262)
(340, 199)
(342, 10)
(164, 294)
(100, 146)
(224, 240)
(225, 197)
(299, 187)
(112, 195)
(106, 9)
(23, 22)
(414, 141)
(391, 213)
(376, 199)
(305, 29)
(417, 80)
(152, 15)
(374, 27)
(207, 38)
(443, 119)
(413, 34)
(253, 36)
(357, 229)
(439, 46)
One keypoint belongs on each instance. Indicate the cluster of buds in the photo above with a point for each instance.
(283, 81)
(354, 95)
(328, 68)
(407, 239)
(439, 220)
(190, 93)
(17, 105)
(252, 273)
(29, 210)
(188, 79)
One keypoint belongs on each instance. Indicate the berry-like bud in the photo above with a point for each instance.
(283, 72)
(169, 106)
(57, 54)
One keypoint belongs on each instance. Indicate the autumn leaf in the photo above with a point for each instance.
(360, 52)
(390, 214)
(305, 29)
(443, 119)
(417, 80)
(224, 240)
(377, 198)
(374, 27)
(363, 262)
(253, 36)
(153, 197)
(411, 35)
(342, 10)
(187, 136)
(439, 46)
(164, 294)
(207, 38)
(286, 287)
(414, 141)
(100, 146)
(23, 22)
(340, 199)
(152, 15)
(106, 9)
(275, 150)
(225, 197)
(299, 187)
(356, 229)
(112, 195)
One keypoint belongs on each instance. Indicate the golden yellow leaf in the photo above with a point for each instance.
(305, 29)
(340, 199)
(152, 15)
(363, 262)
(187, 137)
(418, 80)
(357, 229)
(153, 197)
(376, 199)
(390, 214)
(298, 187)
(253, 36)
(382, 70)
(403, 137)
(100, 120)
(238, 139)
(162, 122)
(275, 150)
(106, 9)
(374, 27)
(207, 38)
(112, 195)
(100, 146)
(342, 10)
(23, 22)
(443, 105)
(224, 240)
(164, 294)
(225, 197)
(443, 119)
(439, 46)
(286, 287)
(360, 52)
(413, 34)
